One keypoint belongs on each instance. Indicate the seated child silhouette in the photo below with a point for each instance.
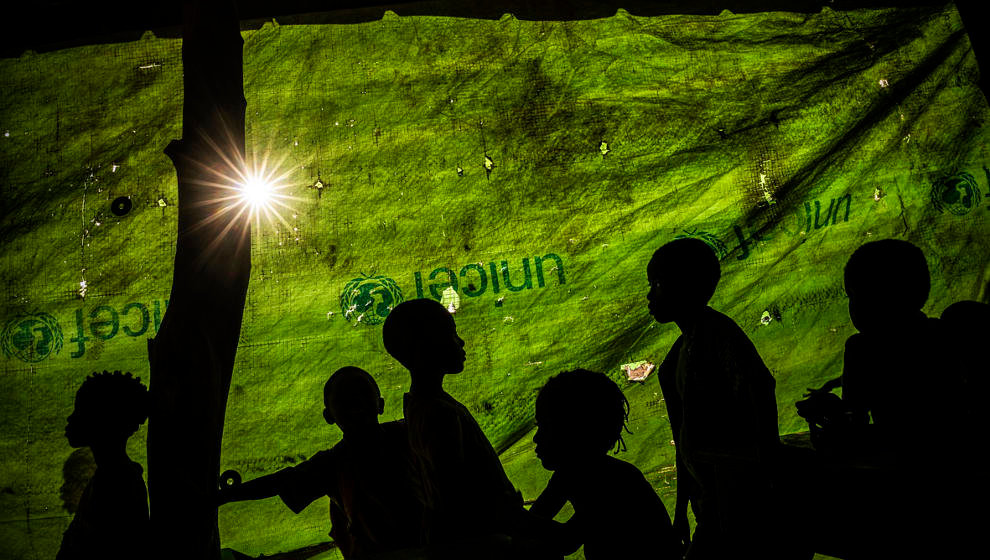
(111, 519)
(580, 416)
(375, 505)
(898, 370)
(722, 408)
(902, 384)
(468, 497)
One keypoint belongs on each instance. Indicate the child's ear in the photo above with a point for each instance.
(381, 406)
(328, 416)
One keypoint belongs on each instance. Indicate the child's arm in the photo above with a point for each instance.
(298, 486)
(566, 537)
(551, 500)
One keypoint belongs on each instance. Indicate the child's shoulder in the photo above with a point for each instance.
(718, 330)
(614, 466)
(606, 472)
(325, 457)
(713, 320)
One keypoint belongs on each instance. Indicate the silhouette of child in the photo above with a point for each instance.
(468, 497)
(369, 476)
(580, 416)
(900, 358)
(900, 371)
(721, 404)
(111, 518)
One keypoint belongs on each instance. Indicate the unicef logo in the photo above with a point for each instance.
(31, 338)
(956, 194)
(369, 299)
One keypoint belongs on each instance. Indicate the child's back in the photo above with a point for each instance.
(722, 408)
(728, 410)
(374, 505)
(617, 514)
(467, 494)
(465, 487)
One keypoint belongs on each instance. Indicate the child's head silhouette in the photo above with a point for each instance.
(422, 336)
(109, 408)
(968, 316)
(682, 275)
(352, 400)
(887, 281)
(580, 414)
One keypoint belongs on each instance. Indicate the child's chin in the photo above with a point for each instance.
(661, 316)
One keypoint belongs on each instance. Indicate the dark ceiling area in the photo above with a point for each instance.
(45, 25)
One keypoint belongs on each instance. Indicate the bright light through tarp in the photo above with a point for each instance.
(257, 192)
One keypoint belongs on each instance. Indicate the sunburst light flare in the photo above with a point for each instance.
(257, 192)
(261, 192)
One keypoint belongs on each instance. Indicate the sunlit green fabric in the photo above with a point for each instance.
(520, 172)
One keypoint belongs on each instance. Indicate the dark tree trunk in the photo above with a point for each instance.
(192, 357)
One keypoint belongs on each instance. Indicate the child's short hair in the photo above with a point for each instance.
(345, 374)
(588, 401)
(891, 267)
(693, 265)
(410, 325)
(118, 398)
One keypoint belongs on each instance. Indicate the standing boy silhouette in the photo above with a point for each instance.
(722, 409)
(468, 497)
(580, 416)
(369, 476)
(111, 519)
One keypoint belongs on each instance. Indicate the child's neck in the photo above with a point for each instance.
(687, 321)
(425, 382)
(364, 437)
(586, 464)
(110, 453)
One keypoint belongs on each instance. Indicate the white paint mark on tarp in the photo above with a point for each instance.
(451, 300)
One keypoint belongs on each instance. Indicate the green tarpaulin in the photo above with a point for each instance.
(521, 172)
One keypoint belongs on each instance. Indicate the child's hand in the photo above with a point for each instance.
(229, 480)
(826, 388)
